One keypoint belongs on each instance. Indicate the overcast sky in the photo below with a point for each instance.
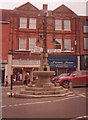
(78, 6)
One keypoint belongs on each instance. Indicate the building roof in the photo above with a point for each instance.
(27, 7)
(64, 9)
(5, 14)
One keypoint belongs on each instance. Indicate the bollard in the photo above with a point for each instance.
(70, 86)
(11, 87)
(11, 94)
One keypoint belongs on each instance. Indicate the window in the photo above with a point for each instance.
(62, 25)
(22, 44)
(85, 25)
(58, 44)
(67, 44)
(32, 23)
(86, 61)
(84, 73)
(23, 22)
(58, 24)
(67, 25)
(86, 43)
(32, 44)
(85, 29)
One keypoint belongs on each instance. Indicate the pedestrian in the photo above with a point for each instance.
(27, 78)
(6, 81)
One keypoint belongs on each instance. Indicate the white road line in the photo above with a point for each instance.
(39, 102)
(3, 106)
(66, 98)
(25, 104)
(81, 117)
(82, 95)
(63, 99)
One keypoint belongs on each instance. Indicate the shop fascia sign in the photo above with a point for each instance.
(26, 62)
(63, 62)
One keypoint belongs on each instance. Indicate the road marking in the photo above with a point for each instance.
(66, 98)
(3, 106)
(82, 95)
(78, 118)
(40, 102)
(25, 104)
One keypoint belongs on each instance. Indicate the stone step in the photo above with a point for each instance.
(18, 95)
(57, 91)
(43, 89)
(18, 83)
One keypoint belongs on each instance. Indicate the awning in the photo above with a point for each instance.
(26, 66)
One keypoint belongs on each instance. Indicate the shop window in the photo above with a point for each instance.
(32, 23)
(86, 43)
(23, 22)
(22, 44)
(86, 60)
(67, 44)
(17, 74)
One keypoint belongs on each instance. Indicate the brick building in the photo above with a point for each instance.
(22, 39)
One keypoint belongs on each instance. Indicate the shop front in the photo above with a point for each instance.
(84, 62)
(62, 64)
(21, 67)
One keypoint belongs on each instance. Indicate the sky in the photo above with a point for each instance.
(77, 6)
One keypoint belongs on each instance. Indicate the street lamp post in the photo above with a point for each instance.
(44, 55)
(44, 72)
(44, 33)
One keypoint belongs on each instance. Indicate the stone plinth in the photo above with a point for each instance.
(43, 78)
(43, 88)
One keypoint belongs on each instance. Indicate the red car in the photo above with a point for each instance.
(54, 79)
(76, 78)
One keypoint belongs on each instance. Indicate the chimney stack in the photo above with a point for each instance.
(45, 7)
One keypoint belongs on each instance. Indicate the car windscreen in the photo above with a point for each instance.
(64, 74)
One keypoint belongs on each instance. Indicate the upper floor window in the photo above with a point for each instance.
(58, 44)
(23, 22)
(63, 25)
(86, 43)
(67, 25)
(32, 23)
(22, 43)
(85, 25)
(85, 29)
(58, 24)
(32, 44)
(67, 44)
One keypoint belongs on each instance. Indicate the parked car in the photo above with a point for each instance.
(76, 78)
(55, 78)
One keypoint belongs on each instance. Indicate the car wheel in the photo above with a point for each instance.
(65, 84)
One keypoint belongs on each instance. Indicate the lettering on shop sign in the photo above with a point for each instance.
(62, 64)
(63, 61)
(26, 62)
